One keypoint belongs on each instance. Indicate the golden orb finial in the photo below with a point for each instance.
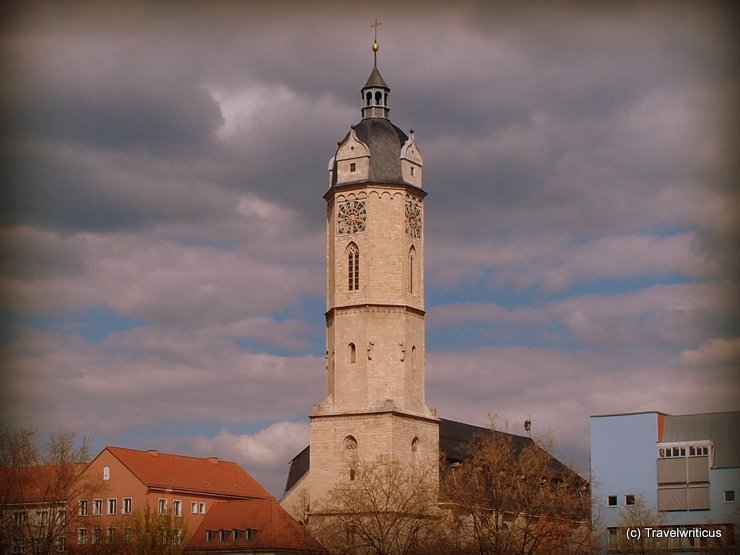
(376, 47)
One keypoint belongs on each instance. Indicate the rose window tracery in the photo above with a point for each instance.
(352, 217)
(413, 219)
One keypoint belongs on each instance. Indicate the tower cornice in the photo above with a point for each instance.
(317, 414)
(364, 185)
(374, 307)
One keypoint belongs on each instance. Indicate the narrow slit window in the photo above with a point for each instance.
(352, 353)
(412, 272)
(353, 267)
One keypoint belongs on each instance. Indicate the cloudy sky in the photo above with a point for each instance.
(162, 221)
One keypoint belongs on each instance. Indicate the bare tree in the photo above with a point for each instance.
(35, 487)
(509, 495)
(145, 532)
(381, 508)
(638, 516)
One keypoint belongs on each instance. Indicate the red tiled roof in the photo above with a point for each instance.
(275, 528)
(41, 483)
(181, 473)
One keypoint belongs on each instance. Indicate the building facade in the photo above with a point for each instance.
(375, 402)
(679, 474)
(199, 504)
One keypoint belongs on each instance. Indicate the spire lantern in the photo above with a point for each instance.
(375, 92)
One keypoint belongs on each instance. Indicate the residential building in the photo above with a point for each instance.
(253, 526)
(125, 497)
(679, 474)
(34, 507)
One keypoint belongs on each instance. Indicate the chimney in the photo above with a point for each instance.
(153, 452)
(213, 460)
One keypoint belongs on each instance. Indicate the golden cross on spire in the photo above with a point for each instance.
(376, 46)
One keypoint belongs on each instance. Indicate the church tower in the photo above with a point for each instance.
(375, 403)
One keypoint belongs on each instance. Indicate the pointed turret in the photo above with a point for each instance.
(375, 92)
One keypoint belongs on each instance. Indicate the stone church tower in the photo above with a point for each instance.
(374, 402)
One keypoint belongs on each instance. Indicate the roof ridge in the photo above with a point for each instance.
(165, 454)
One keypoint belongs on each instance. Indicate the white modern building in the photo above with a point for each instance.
(681, 472)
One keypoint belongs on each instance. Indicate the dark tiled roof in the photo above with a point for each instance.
(376, 80)
(454, 436)
(384, 141)
(182, 473)
(298, 468)
(275, 529)
(453, 440)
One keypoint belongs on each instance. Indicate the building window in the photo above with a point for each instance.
(202, 508)
(177, 507)
(209, 536)
(352, 353)
(629, 500)
(413, 357)
(96, 535)
(729, 496)
(350, 445)
(82, 535)
(177, 536)
(97, 507)
(194, 507)
(106, 473)
(222, 536)
(61, 544)
(128, 505)
(110, 535)
(127, 534)
(162, 506)
(352, 167)
(112, 506)
(412, 269)
(613, 538)
(353, 267)
(42, 518)
(83, 508)
(683, 476)
(611, 501)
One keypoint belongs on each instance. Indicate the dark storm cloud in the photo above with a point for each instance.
(164, 162)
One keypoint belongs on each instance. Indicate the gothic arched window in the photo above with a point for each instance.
(350, 455)
(368, 98)
(379, 98)
(352, 353)
(353, 267)
(412, 269)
